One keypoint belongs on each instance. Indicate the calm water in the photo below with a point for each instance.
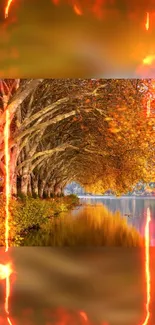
(136, 207)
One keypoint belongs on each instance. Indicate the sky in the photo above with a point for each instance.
(47, 40)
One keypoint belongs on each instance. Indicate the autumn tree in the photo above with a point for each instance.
(92, 131)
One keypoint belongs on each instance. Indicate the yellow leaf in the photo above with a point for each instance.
(108, 119)
(114, 130)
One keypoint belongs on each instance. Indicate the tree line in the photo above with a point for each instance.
(92, 131)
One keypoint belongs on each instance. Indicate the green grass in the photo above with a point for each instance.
(28, 213)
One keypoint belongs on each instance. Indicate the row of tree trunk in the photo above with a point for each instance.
(33, 186)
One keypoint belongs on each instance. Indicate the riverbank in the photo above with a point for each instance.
(29, 214)
(61, 222)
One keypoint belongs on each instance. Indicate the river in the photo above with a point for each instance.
(136, 207)
(106, 283)
(134, 210)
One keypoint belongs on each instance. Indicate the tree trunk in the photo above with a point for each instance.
(51, 191)
(35, 185)
(24, 184)
(62, 190)
(57, 190)
(48, 191)
(45, 192)
(18, 184)
(14, 185)
(25, 180)
(41, 188)
(13, 176)
(30, 186)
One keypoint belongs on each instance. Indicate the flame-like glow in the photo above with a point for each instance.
(7, 291)
(84, 315)
(5, 272)
(147, 24)
(7, 8)
(9, 321)
(147, 268)
(7, 178)
(148, 60)
(77, 10)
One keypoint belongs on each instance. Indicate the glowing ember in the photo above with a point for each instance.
(7, 293)
(7, 181)
(147, 267)
(5, 272)
(148, 60)
(84, 315)
(7, 8)
(77, 10)
(147, 24)
(9, 321)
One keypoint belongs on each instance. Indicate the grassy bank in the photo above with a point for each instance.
(92, 226)
(36, 222)
(28, 214)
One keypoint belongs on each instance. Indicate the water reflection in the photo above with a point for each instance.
(90, 224)
(135, 207)
(105, 283)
